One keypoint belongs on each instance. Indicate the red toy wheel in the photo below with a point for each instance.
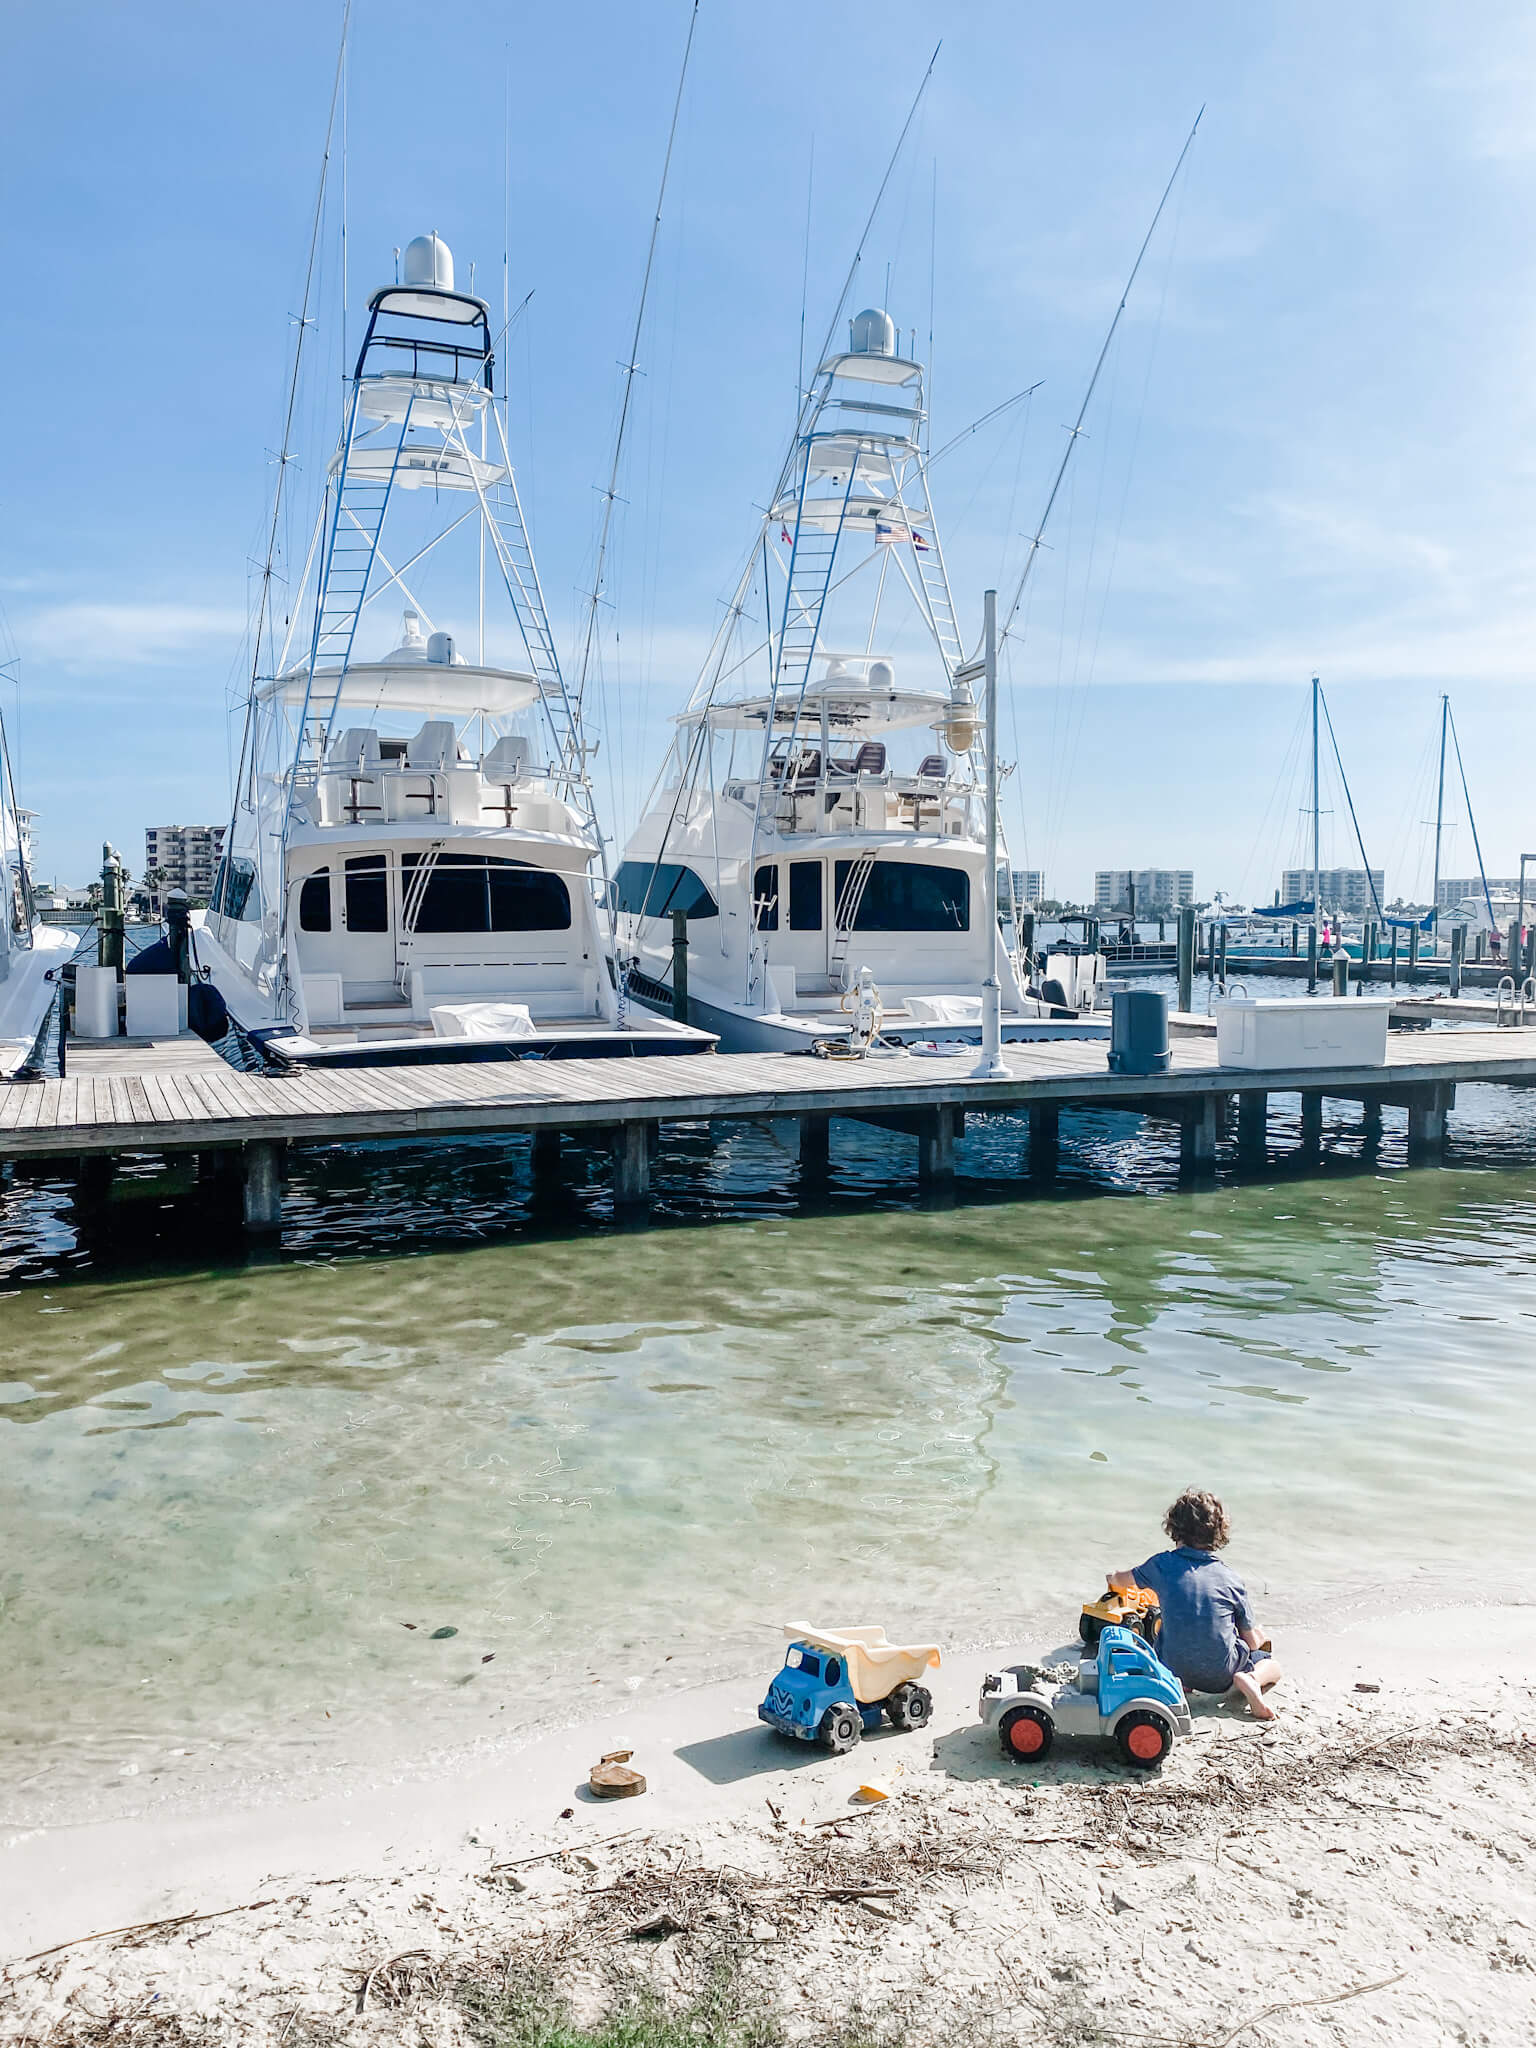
(1144, 1739)
(1026, 1734)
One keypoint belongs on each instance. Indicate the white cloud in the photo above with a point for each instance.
(82, 636)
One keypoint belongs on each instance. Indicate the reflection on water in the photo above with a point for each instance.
(241, 1501)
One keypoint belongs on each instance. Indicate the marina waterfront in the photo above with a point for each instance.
(243, 1502)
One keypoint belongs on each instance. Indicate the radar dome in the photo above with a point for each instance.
(881, 676)
(429, 262)
(873, 333)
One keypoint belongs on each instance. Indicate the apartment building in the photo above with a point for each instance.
(181, 857)
(1345, 891)
(1156, 889)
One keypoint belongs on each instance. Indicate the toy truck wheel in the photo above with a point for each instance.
(1090, 1628)
(841, 1728)
(1144, 1740)
(1026, 1734)
(910, 1706)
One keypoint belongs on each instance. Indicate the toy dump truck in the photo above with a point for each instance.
(836, 1685)
(1133, 1607)
(1122, 1692)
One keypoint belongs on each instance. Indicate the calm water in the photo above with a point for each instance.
(612, 1460)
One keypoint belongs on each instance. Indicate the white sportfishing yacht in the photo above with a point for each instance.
(821, 815)
(414, 869)
(31, 952)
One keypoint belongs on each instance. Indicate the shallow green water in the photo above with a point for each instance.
(614, 1461)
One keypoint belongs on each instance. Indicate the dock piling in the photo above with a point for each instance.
(1311, 1122)
(1252, 1126)
(263, 1202)
(1426, 1123)
(1458, 955)
(631, 1166)
(546, 1154)
(1186, 958)
(680, 965)
(936, 1148)
(1341, 973)
(1197, 1137)
(1370, 1121)
(1045, 1131)
(815, 1148)
(1311, 957)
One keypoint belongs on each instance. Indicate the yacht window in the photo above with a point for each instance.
(909, 896)
(315, 902)
(239, 887)
(470, 892)
(805, 895)
(765, 897)
(367, 894)
(656, 888)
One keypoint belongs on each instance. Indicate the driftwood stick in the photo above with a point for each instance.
(147, 1927)
(570, 1849)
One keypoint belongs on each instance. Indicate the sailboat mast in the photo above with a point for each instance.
(1434, 901)
(1317, 863)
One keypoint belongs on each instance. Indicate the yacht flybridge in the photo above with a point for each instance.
(31, 952)
(821, 815)
(414, 866)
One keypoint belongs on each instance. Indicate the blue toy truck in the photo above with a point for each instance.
(1122, 1692)
(837, 1685)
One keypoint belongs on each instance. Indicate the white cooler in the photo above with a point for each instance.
(1301, 1031)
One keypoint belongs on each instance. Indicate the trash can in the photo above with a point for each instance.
(1138, 1032)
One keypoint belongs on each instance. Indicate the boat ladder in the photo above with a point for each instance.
(845, 914)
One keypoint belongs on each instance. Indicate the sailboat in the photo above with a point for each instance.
(414, 867)
(31, 952)
(820, 818)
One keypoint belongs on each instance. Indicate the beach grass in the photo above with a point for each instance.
(527, 2012)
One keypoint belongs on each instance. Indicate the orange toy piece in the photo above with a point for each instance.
(1137, 1609)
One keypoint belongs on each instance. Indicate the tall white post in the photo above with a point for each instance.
(991, 1067)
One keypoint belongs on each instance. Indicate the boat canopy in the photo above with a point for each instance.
(459, 690)
(850, 707)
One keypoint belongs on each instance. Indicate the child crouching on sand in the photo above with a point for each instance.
(1208, 1638)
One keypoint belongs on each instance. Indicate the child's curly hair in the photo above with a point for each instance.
(1198, 1520)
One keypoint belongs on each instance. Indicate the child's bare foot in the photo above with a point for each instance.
(1248, 1685)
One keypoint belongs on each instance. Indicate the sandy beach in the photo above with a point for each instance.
(1363, 1869)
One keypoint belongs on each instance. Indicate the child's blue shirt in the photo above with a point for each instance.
(1204, 1604)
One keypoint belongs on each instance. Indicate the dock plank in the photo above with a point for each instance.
(192, 1098)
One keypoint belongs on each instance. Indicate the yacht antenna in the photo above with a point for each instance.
(631, 369)
(1076, 429)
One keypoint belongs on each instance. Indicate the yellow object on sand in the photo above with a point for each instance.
(875, 1667)
(873, 1792)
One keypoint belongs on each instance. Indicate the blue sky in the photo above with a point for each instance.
(1312, 447)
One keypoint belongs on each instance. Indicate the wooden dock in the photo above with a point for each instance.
(168, 1096)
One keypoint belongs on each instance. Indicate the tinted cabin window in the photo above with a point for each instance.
(465, 892)
(367, 894)
(240, 899)
(657, 888)
(765, 897)
(805, 895)
(905, 896)
(315, 903)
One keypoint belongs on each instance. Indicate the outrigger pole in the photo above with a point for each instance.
(1082, 411)
(631, 370)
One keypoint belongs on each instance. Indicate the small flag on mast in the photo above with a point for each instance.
(919, 543)
(784, 536)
